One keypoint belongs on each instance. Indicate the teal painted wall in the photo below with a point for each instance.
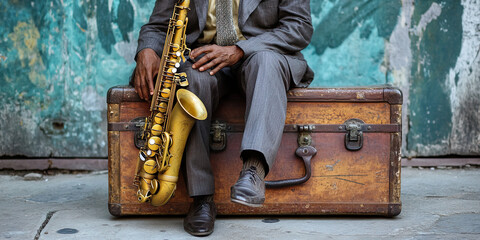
(59, 57)
(348, 46)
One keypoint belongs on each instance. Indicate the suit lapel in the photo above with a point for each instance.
(201, 6)
(245, 9)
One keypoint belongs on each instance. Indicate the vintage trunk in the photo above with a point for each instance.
(361, 180)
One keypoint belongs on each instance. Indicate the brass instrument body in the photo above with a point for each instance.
(166, 130)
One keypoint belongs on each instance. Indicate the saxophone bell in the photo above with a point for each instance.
(188, 109)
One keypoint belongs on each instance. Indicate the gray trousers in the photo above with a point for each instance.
(265, 78)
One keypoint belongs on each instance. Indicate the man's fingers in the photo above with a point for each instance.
(137, 90)
(217, 68)
(137, 81)
(150, 83)
(144, 89)
(200, 50)
(210, 64)
(215, 57)
(147, 62)
(199, 64)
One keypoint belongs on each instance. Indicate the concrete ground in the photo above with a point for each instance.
(437, 204)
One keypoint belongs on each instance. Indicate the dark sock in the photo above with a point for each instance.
(257, 163)
(203, 198)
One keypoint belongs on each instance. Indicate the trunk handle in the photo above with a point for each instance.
(306, 153)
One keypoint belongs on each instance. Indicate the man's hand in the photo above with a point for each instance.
(147, 67)
(216, 57)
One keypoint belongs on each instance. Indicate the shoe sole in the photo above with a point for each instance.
(256, 205)
(200, 234)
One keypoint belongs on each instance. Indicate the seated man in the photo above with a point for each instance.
(250, 43)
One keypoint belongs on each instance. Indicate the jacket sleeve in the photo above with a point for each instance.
(152, 35)
(292, 33)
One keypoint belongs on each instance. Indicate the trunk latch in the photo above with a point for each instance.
(139, 139)
(354, 135)
(218, 137)
(305, 135)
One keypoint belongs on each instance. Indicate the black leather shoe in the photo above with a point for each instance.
(200, 219)
(249, 189)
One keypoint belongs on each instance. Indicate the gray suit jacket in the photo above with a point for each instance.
(284, 26)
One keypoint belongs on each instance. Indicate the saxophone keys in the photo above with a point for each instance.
(150, 153)
(162, 107)
(143, 156)
(167, 83)
(159, 118)
(181, 79)
(143, 195)
(179, 24)
(154, 186)
(150, 166)
(153, 143)
(175, 48)
(165, 92)
(156, 129)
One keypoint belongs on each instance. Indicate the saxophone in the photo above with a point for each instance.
(166, 130)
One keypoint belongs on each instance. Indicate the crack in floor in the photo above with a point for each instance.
(44, 224)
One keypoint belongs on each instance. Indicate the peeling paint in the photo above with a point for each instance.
(399, 59)
(57, 61)
(348, 45)
(92, 101)
(125, 17)
(127, 49)
(463, 81)
(432, 13)
(105, 32)
(435, 52)
(25, 37)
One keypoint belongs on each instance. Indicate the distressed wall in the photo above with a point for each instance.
(57, 60)
(59, 57)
